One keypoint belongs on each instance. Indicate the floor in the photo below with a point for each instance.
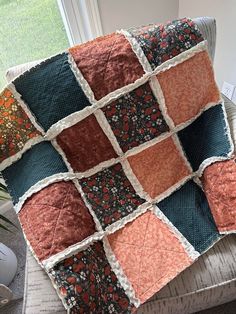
(16, 242)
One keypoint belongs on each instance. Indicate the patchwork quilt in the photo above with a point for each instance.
(118, 156)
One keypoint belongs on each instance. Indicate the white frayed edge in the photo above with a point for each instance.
(181, 152)
(117, 269)
(68, 121)
(10, 160)
(189, 249)
(173, 188)
(158, 93)
(102, 121)
(123, 90)
(78, 116)
(207, 162)
(209, 105)
(137, 50)
(141, 209)
(42, 184)
(99, 235)
(81, 80)
(148, 144)
(71, 250)
(157, 90)
(226, 232)
(25, 108)
(101, 166)
(88, 205)
(220, 237)
(198, 182)
(182, 57)
(62, 154)
(75, 117)
(134, 180)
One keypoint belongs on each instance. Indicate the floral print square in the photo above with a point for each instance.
(135, 118)
(161, 42)
(15, 126)
(87, 284)
(110, 194)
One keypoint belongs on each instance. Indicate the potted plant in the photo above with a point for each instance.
(8, 261)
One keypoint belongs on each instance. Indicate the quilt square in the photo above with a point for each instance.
(85, 144)
(51, 91)
(16, 129)
(165, 41)
(55, 218)
(149, 253)
(111, 194)
(189, 87)
(189, 204)
(155, 167)
(135, 118)
(41, 161)
(113, 62)
(219, 182)
(87, 284)
(206, 137)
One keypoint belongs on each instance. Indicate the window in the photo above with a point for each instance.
(29, 30)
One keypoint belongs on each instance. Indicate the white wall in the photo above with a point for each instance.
(116, 14)
(225, 13)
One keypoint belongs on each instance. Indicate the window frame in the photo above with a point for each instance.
(81, 19)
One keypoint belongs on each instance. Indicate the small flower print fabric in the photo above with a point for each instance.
(15, 126)
(161, 42)
(111, 152)
(133, 124)
(111, 195)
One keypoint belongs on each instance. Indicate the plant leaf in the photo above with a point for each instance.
(8, 221)
(5, 228)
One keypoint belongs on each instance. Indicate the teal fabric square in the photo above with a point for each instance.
(188, 210)
(51, 91)
(206, 137)
(38, 163)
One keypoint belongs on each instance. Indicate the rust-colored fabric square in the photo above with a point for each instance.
(149, 253)
(55, 218)
(112, 61)
(155, 167)
(85, 144)
(219, 181)
(187, 88)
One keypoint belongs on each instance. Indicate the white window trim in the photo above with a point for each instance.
(81, 19)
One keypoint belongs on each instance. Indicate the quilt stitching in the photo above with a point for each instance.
(137, 283)
(131, 183)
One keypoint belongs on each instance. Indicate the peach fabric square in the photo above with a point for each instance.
(55, 218)
(189, 87)
(85, 144)
(219, 181)
(149, 253)
(159, 167)
(107, 63)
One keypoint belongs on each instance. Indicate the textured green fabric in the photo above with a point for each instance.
(51, 91)
(188, 210)
(40, 162)
(205, 137)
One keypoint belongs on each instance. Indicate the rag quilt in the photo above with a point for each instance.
(118, 156)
